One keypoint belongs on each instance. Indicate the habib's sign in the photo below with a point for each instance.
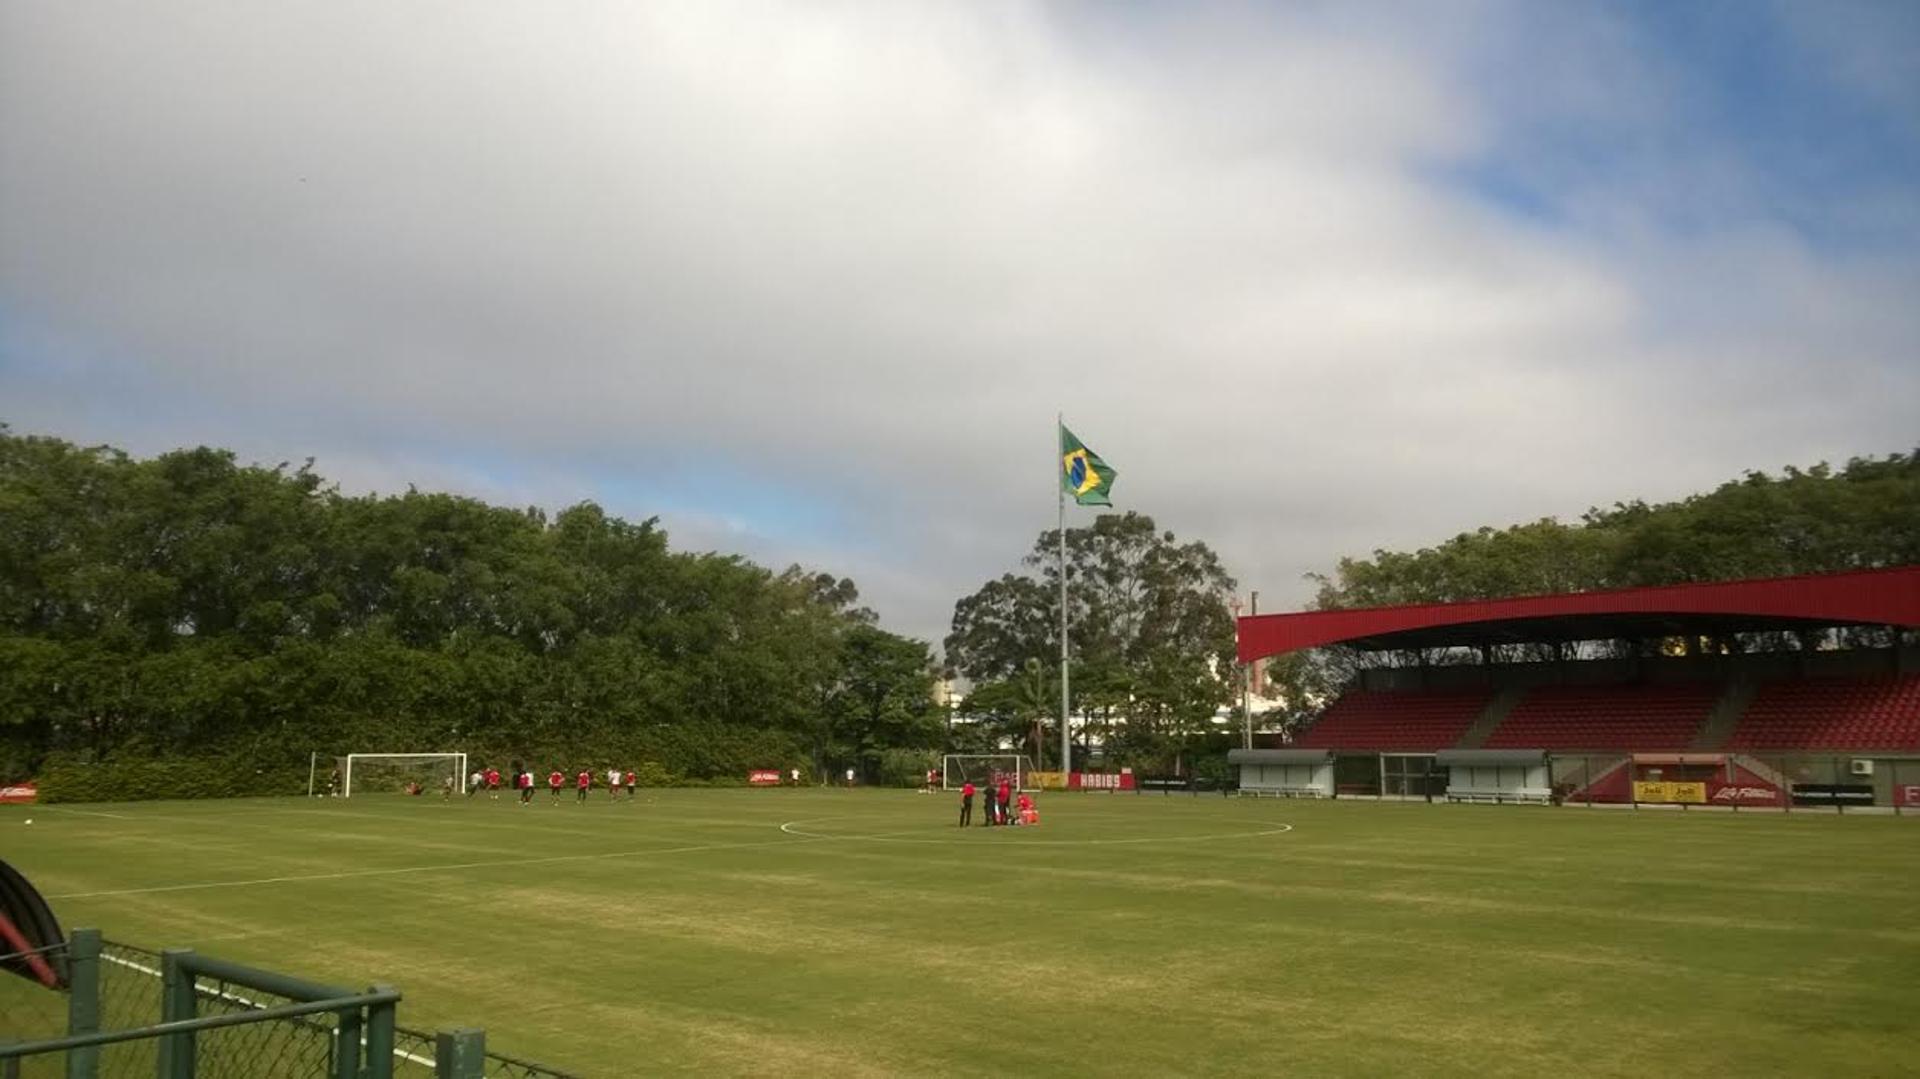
(1101, 781)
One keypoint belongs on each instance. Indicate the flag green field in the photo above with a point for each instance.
(689, 931)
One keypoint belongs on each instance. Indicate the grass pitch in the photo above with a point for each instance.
(1127, 935)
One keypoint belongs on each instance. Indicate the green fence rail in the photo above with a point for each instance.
(133, 1012)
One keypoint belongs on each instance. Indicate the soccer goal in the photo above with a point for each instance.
(986, 770)
(394, 773)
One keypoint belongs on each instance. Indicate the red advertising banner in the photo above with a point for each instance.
(1907, 794)
(1745, 788)
(764, 777)
(24, 792)
(1748, 793)
(1101, 781)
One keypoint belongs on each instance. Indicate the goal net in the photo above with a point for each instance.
(399, 773)
(986, 770)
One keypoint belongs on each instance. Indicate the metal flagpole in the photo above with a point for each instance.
(1060, 489)
(1248, 707)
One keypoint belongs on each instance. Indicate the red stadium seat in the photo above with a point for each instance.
(1614, 718)
(1412, 721)
(1833, 713)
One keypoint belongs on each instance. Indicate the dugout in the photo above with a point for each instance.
(1284, 773)
(1495, 775)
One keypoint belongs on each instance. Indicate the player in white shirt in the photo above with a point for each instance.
(613, 783)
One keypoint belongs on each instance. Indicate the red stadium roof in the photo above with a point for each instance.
(1864, 597)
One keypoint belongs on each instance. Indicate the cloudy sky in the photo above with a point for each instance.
(810, 281)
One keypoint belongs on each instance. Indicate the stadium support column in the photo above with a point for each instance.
(1060, 492)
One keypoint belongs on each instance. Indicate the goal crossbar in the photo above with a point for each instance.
(987, 769)
(457, 760)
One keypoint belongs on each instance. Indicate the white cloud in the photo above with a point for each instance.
(863, 253)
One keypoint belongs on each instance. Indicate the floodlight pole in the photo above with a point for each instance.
(1060, 492)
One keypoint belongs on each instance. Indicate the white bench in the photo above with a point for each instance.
(1525, 795)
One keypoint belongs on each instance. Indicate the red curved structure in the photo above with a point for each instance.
(1888, 597)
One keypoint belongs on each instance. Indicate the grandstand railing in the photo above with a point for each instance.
(217, 1019)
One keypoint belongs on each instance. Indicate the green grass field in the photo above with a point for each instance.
(1126, 935)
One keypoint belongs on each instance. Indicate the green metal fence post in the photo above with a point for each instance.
(175, 1059)
(83, 999)
(346, 1046)
(460, 1054)
(380, 1036)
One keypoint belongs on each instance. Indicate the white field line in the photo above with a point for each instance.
(436, 868)
(254, 1005)
(791, 828)
(86, 812)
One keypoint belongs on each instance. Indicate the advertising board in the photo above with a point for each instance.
(1833, 794)
(1660, 792)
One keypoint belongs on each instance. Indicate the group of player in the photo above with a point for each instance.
(1001, 806)
(613, 781)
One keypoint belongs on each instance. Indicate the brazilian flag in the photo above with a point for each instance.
(1085, 476)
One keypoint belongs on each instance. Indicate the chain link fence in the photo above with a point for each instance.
(247, 1024)
(30, 1010)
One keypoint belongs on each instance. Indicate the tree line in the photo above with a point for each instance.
(1862, 515)
(1153, 639)
(164, 613)
(187, 624)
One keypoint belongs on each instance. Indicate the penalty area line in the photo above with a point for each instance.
(437, 868)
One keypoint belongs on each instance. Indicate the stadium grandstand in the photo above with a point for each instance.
(1778, 692)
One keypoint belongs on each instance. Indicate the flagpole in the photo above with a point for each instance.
(1060, 489)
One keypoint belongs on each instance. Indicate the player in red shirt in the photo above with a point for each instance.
(1028, 814)
(966, 805)
(584, 781)
(493, 783)
(1004, 800)
(555, 780)
(632, 781)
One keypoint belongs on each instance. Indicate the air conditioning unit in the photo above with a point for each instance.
(1861, 768)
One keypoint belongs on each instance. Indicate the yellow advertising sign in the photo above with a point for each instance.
(1695, 793)
(1049, 781)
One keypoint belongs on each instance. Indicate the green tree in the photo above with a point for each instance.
(188, 606)
(1819, 519)
(1152, 637)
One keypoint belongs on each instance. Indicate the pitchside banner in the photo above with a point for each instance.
(24, 792)
(1101, 781)
(1907, 794)
(1688, 793)
(764, 777)
(1832, 794)
(1754, 793)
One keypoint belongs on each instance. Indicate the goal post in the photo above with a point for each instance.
(390, 773)
(987, 770)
